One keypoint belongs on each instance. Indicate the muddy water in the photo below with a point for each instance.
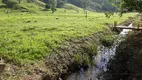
(101, 60)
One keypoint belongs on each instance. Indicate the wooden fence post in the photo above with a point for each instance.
(115, 23)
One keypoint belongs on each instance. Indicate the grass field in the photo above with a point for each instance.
(32, 36)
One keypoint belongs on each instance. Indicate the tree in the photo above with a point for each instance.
(53, 4)
(60, 3)
(47, 6)
(85, 4)
(10, 3)
(94, 5)
(19, 1)
(129, 5)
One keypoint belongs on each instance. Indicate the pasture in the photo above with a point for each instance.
(27, 37)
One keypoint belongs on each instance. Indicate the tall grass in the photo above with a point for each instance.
(26, 37)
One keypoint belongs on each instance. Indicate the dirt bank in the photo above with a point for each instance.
(127, 63)
(74, 53)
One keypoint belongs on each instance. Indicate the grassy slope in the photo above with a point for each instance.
(29, 37)
(34, 6)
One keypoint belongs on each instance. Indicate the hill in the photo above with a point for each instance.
(37, 5)
(23, 5)
(94, 5)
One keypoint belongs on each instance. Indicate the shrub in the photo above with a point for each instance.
(107, 40)
(109, 14)
(77, 59)
(86, 61)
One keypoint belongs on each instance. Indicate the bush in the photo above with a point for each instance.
(60, 3)
(10, 3)
(107, 40)
(77, 59)
(109, 14)
(82, 61)
(86, 61)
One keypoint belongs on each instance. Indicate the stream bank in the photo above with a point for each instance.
(127, 63)
(76, 54)
(102, 60)
(62, 62)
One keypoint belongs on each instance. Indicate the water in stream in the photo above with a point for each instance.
(95, 73)
(101, 61)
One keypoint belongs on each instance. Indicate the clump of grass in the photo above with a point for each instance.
(78, 59)
(92, 49)
(86, 61)
(107, 40)
(81, 61)
(137, 23)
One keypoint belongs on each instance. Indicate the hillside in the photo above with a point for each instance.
(36, 44)
(23, 5)
(94, 5)
(36, 5)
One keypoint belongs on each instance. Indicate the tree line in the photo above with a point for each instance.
(94, 5)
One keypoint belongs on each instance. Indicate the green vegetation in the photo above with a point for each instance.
(29, 37)
(82, 60)
(23, 5)
(36, 42)
(138, 21)
(130, 5)
(94, 5)
(108, 40)
(128, 58)
(35, 5)
(86, 59)
(72, 7)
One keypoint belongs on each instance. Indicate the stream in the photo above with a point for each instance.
(105, 54)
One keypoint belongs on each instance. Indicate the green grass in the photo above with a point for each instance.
(108, 40)
(29, 37)
(137, 22)
(24, 5)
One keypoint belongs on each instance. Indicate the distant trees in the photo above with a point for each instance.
(129, 5)
(53, 4)
(76, 2)
(85, 4)
(10, 3)
(61, 3)
(50, 4)
(95, 5)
